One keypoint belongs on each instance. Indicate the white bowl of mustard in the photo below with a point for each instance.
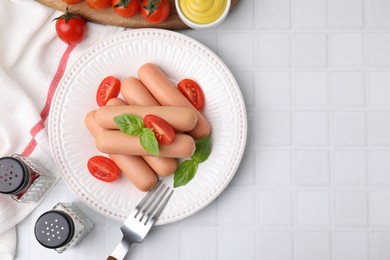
(202, 14)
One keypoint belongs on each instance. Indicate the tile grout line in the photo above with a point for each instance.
(293, 187)
(330, 136)
(367, 128)
(308, 31)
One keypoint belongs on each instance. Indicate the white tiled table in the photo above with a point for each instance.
(314, 183)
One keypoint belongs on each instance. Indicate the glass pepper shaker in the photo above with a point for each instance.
(62, 228)
(23, 179)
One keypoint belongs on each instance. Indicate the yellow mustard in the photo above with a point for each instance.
(202, 11)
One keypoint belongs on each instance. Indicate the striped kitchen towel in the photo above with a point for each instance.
(32, 62)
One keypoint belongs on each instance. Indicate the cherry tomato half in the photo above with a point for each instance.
(191, 90)
(108, 88)
(155, 11)
(163, 131)
(98, 4)
(126, 8)
(70, 27)
(103, 168)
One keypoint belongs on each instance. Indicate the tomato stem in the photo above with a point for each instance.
(123, 3)
(68, 15)
(151, 6)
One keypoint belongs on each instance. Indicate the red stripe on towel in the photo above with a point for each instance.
(30, 147)
(54, 83)
(49, 98)
(37, 128)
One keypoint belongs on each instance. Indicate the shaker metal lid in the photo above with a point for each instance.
(13, 175)
(54, 229)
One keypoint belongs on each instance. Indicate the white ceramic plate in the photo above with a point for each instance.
(121, 55)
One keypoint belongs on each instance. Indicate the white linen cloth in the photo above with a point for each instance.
(32, 62)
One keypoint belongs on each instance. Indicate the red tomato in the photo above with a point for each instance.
(98, 4)
(70, 27)
(163, 131)
(155, 11)
(103, 168)
(192, 92)
(108, 88)
(126, 8)
(72, 2)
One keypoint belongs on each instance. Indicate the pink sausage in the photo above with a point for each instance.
(115, 141)
(180, 118)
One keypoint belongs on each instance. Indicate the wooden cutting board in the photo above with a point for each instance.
(108, 16)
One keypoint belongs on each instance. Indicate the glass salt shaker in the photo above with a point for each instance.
(23, 179)
(62, 228)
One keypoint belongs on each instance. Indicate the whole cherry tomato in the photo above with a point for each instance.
(98, 4)
(108, 88)
(71, 28)
(163, 131)
(126, 8)
(155, 11)
(191, 90)
(103, 168)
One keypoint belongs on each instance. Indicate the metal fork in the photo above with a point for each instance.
(141, 219)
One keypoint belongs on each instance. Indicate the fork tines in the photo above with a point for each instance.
(151, 206)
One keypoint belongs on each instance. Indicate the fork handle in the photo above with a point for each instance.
(120, 250)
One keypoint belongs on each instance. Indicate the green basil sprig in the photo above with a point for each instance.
(134, 125)
(187, 169)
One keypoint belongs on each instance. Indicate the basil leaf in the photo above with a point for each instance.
(129, 124)
(203, 150)
(184, 173)
(186, 170)
(149, 142)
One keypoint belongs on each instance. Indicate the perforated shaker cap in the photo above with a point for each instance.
(14, 175)
(54, 229)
